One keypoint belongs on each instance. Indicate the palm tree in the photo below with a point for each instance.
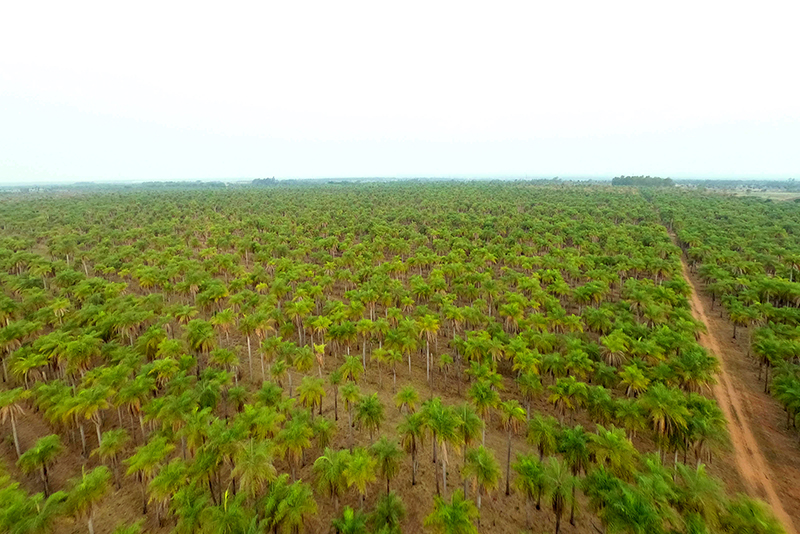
(112, 444)
(513, 417)
(295, 438)
(351, 369)
(454, 517)
(229, 517)
(335, 379)
(543, 433)
(485, 399)
(361, 470)
(369, 414)
(89, 402)
(329, 470)
(253, 466)
(470, 426)
(558, 483)
(351, 395)
(171, 478)
(482, 468)
(311, 393)
(86, 492)
(389, 512)
(296, 507)
(412, 434)
(574, 446)
(530, 481)
(442, 422)
(351, 522)
(11, 409)
(428, 326)
(40, 457)
(406, 398)
(145, 461)
(388, 454)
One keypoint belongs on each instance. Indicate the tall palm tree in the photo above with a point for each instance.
(530, 480)
(253, 466)
(543, 433)
(370, 414)
(40, 457)
(351, 395)
(296, 507)
(442, 422)
(86, 493)
(513, 417)
(361, 471)
(329, 470)
(407, 398)
(146, 460)
(388, 454)
(470, 426)
(412, 435)
(11, 409)
(111, 446)
(574, 447)
(311, 393)
(485, 399)
(482, 468)
(558, 483)
(454, 517)
(295, 438)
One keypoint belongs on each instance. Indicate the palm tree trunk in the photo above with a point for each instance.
(508, 465)
(16, 437)
(90, 522)
(250, 356)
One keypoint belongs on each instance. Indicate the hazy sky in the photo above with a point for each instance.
(201, 90)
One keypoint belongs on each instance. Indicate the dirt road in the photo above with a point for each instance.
(750, 460)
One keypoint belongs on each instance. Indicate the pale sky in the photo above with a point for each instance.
(291, 89)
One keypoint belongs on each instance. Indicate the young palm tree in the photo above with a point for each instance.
(229, 517)
(85, 494)
(388, 454)
(513, 417)
(482, 468)
(361, 470)
(351, 522)
(40, 457)
(454, 517)
(388, 514)
(530, 480)
(11, 409)
(369, 414)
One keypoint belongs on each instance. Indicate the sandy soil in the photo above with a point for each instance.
(743, 416)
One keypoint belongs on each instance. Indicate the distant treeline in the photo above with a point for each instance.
(756, 183)
(642, 181)
(264, 181)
